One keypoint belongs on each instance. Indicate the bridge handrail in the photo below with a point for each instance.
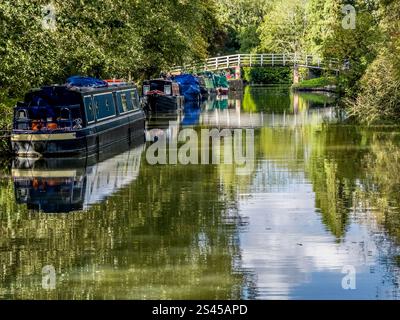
(263, 59)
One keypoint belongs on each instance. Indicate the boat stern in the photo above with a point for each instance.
(34, 145)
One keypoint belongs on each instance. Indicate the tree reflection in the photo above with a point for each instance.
(170, 234)
(334, 169)
(174, 232)
(380, 193)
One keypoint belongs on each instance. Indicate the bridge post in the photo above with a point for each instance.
(237, 84)
(296, 103)
(296, 74)
(238, 72)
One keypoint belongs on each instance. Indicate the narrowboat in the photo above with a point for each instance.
(203, 87)
(222, 85)
(209, 80)
(80, 117)
(161, 96)
(189, 86)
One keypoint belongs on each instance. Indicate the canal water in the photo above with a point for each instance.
(317, 215)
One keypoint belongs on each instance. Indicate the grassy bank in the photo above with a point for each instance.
(317, 84)
(319, 98)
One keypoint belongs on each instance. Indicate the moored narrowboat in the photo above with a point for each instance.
(203, 87)
(210, 84)
(189, 86)
(222, 85)
(81, 117)
(162, 96)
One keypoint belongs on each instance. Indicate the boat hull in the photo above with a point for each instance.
(80, 142)
(163, 104)
(222, 91)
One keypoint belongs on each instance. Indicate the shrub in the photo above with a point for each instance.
(316, 83)
(6, 113)
(276, 75)
(379, 97)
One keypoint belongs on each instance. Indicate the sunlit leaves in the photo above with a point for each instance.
(284, 27)
(109, 38)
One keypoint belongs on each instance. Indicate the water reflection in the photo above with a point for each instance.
(307, 221)
(257, 108)
(166, 125)
(65, 185)
(321, 196)
(140, 243)
(220, 103)
(279, 99)
(191, 113)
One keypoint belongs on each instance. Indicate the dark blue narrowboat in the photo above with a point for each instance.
(162, 96)
(81, 117)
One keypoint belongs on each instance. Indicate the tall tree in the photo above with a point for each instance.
(101, 38)
(284, 27)
(241, 19)
(378, 97)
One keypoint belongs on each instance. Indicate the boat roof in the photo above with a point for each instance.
(66, 88)
(69, 95)
(111, 87)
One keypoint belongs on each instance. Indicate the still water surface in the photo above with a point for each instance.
(321, 196)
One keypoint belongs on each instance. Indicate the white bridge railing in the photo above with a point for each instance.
(262, 60)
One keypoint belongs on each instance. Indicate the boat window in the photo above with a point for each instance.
(167, 90)
(129, 96)
(175, 89)
(157, 86)
(21, 120)
(124, 102)
(135, 100)
(22, 115)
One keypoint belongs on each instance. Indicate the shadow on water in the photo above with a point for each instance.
(321, 196)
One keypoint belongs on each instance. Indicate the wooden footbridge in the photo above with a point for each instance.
(262, 60)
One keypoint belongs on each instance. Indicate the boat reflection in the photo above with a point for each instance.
(168, 124)
(75, 184)
(219, 102)
(235, 118)
(165, 124)
(191, 114)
